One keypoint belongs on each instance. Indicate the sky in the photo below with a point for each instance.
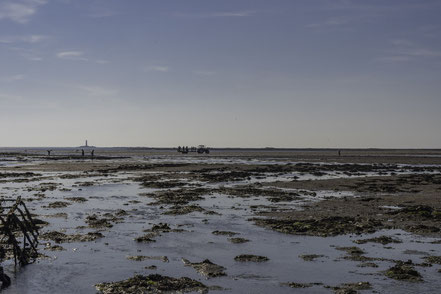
(224, 73)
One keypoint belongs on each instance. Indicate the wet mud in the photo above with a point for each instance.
(131, 223)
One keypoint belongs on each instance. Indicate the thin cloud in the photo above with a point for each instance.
(243, 13)
(71, 55)
(406, 50)
(11, 79)
(157, 68)
(8, 98)
(27, 53)
(97, 91)
(393, 59)
(204, 72)
(19, 11)
(101, 13)
(31, 39)
(234, 13)
(102, 61)
(332, 22)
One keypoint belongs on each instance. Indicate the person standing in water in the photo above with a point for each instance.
(92, 152)
(82, 152)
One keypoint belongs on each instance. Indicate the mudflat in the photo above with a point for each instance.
(234, 221)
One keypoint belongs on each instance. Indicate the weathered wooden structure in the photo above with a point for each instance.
(18, 234)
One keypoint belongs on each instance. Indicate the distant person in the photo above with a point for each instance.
(179, 148)
(82, 152)
(339, 153)
(49, 152)
(92, 152)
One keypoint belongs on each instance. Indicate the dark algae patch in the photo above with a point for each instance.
(329, 226)
(382, 240)
(351, 288)
(152, 284)
(147, 238)
(143, 257)
(58, 204)
(250, 257)
(180, 210)
(433, 259)
(94, 221)
(404, 271)
(224, 233)
(238, 240)
(301, 285)
(59, 237)
(311, 257)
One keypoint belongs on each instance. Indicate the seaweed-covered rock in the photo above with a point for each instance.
(238, 240)
(147, 238)
(351, 250)
(433, 259)
(382, 240)
(206, 268)
(250, 257)
(94, 222)
(310, 257)
(404, 272)
(143, 257)
(329, 226)
(179, 210)
(351, 288)
(58, 204)
(59, 237)
(76, 199)
(152, 284)
(224, 233)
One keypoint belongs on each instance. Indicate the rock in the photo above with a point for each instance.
(224, 233)
(311, 257)
(250, 257)
(382, 240)
(238, 240)
(76, 199)
(59, 237)
(206, 268)
(152, 284)
(53, 247)
(147, 238)
(143, 257)
(433, 259)
(58, 204)
(94, 222)
(180, 210)
(329, 226)
(368, 264)
(403, 272)
(351, 288)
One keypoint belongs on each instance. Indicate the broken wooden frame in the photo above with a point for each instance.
(16, 222)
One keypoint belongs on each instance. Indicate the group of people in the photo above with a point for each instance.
(91, 152)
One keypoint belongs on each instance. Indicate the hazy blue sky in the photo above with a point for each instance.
(282, 73)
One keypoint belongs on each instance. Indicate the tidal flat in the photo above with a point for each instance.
(234, 221)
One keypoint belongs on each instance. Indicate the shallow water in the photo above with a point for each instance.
(83, 265)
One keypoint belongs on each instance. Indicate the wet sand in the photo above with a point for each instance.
(234, 221)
